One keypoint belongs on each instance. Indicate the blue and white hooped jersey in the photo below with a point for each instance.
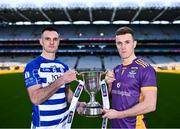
(43, 71)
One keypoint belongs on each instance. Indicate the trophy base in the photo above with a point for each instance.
(92, 111)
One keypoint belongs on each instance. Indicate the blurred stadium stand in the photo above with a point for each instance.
(154, 41)
(111, 61)
(89, 62)
(91, 46)
(143, 32)
(70, 60)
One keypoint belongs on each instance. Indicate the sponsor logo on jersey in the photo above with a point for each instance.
(118, 84)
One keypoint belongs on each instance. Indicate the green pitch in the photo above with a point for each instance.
(15, 106)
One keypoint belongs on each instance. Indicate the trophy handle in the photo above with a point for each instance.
(73, 105)
(105, 99)
(105, 94)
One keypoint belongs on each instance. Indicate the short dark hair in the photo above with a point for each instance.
(125, 30)
(48, 29)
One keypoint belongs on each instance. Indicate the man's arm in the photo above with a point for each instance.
(69, 94)
(147, 105)
(39, 94)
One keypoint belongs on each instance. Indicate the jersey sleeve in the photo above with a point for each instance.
(66, 68)
(31, 76)
(148, 77)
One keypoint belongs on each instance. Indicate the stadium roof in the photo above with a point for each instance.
(89, 12)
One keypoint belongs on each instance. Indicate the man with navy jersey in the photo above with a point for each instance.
(132, 85)
(46, 81)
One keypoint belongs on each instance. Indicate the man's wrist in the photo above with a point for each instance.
(62, 80)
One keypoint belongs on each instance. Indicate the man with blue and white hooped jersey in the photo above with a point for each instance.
(46, 81)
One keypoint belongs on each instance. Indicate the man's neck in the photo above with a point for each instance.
(49, 56)
(128, 60)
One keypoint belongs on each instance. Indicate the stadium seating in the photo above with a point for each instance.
(111, 61)
(89, 62)
(143, 32)
(177, 58)
(162, 59)
(68, 60)
(147, 59)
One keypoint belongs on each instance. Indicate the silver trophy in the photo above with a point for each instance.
(92, 80)
(92, 83)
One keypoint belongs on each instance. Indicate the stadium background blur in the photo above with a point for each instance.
(87, 43)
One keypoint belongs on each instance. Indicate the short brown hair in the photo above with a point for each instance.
(48, 29)
(125, 30)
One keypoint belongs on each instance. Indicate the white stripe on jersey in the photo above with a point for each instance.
(57, 96)
(51, 64)
(51, 118)
(52, 107)
(49, 75)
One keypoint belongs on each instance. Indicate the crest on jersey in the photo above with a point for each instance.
(54, 69)
(132, 72)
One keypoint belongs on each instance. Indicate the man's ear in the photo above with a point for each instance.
(135, 43)
(40, 41)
